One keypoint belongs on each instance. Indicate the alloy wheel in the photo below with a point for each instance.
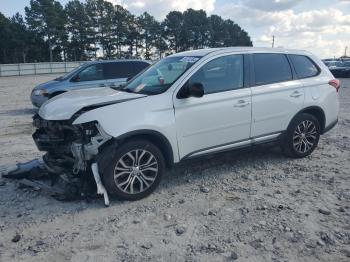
(305, 136)
(135, 171)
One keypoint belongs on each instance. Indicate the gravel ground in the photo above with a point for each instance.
(254, 205)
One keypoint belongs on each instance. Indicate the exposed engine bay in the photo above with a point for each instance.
(71, 149)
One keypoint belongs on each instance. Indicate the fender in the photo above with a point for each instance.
(155, 137)
(317, 112)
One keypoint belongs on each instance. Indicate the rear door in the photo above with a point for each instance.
(308, 73)
(276, 93)
(117, 73)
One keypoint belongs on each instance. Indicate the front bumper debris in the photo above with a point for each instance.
(71, 149)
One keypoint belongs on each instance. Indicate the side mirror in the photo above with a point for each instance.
(196, 89)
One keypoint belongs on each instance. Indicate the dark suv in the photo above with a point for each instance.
(91, 74)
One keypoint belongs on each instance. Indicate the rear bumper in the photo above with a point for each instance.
(330, 126)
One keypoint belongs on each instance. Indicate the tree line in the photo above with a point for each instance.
(98, 29)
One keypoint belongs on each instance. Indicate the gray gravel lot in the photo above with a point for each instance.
(254, 205)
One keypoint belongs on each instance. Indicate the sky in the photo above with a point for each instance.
(319, 26)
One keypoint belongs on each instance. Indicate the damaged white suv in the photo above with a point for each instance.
(187, 105)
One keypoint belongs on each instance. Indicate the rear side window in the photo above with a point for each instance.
(303, 66)
(271, 68)
(139, 66)
(118, 70)
(220, 74)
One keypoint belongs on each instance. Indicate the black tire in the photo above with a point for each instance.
(135, 177)
(297, 146)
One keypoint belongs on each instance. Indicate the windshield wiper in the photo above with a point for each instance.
(122, 88)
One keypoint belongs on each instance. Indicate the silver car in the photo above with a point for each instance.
(91, 74)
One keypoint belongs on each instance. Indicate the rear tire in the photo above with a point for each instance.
(135, 170)
(302, 136)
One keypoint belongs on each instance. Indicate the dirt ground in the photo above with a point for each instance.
(255, 205)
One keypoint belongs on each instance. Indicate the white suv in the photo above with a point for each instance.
(187, 105)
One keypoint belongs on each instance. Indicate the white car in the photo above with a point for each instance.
(188, 105)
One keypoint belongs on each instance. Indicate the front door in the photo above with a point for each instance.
(89, 77)
(222, 116)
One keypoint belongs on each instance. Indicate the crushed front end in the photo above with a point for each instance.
(70, 149)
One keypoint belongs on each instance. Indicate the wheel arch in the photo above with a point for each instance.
(153, 136)
(317, 112)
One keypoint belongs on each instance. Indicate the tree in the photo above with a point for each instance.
(149, 33)
(78, 30)
(101, 14)
(217, 31)
(196, 29)
(120, 30)
(47, 19)
(161, 42)
(235, 36)
(20, 38)
(133, 37)
(4, 33)
(91, 28)
(173, 25)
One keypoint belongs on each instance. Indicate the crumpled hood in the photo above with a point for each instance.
(64, 106)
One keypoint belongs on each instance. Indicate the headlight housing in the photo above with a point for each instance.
(40, 92)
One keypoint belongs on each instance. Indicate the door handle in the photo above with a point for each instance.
(296, 94)
(241, 103)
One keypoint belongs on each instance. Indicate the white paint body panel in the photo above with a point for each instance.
(212, 120)
(64, 106)
(210, 123)
(274, 105)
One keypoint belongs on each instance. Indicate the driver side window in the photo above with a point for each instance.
(91, 73)
(220, 74)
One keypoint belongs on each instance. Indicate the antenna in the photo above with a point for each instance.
(273, 41)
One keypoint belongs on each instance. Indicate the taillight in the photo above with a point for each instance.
(335, 83)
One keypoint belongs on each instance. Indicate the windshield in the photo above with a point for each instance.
(71, 73)
(159, 77)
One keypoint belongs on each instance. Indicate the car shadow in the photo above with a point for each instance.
(19, 112)
(220, 162)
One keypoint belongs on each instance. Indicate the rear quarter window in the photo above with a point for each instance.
(118, 70)
(271, 68)
(139, 66)
(304, 67)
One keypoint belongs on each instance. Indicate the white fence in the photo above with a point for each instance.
(37, 68)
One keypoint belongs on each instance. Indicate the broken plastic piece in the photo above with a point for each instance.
(33, 169)
(101, 190)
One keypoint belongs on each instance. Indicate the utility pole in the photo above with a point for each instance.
(346, 49)
(273, 41)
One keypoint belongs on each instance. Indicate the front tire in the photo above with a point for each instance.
(135, 170)
(302, 136)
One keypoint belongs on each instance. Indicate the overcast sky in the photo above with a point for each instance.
(319, 26)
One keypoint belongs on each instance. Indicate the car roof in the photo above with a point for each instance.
(207, 51)
(118, 60)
